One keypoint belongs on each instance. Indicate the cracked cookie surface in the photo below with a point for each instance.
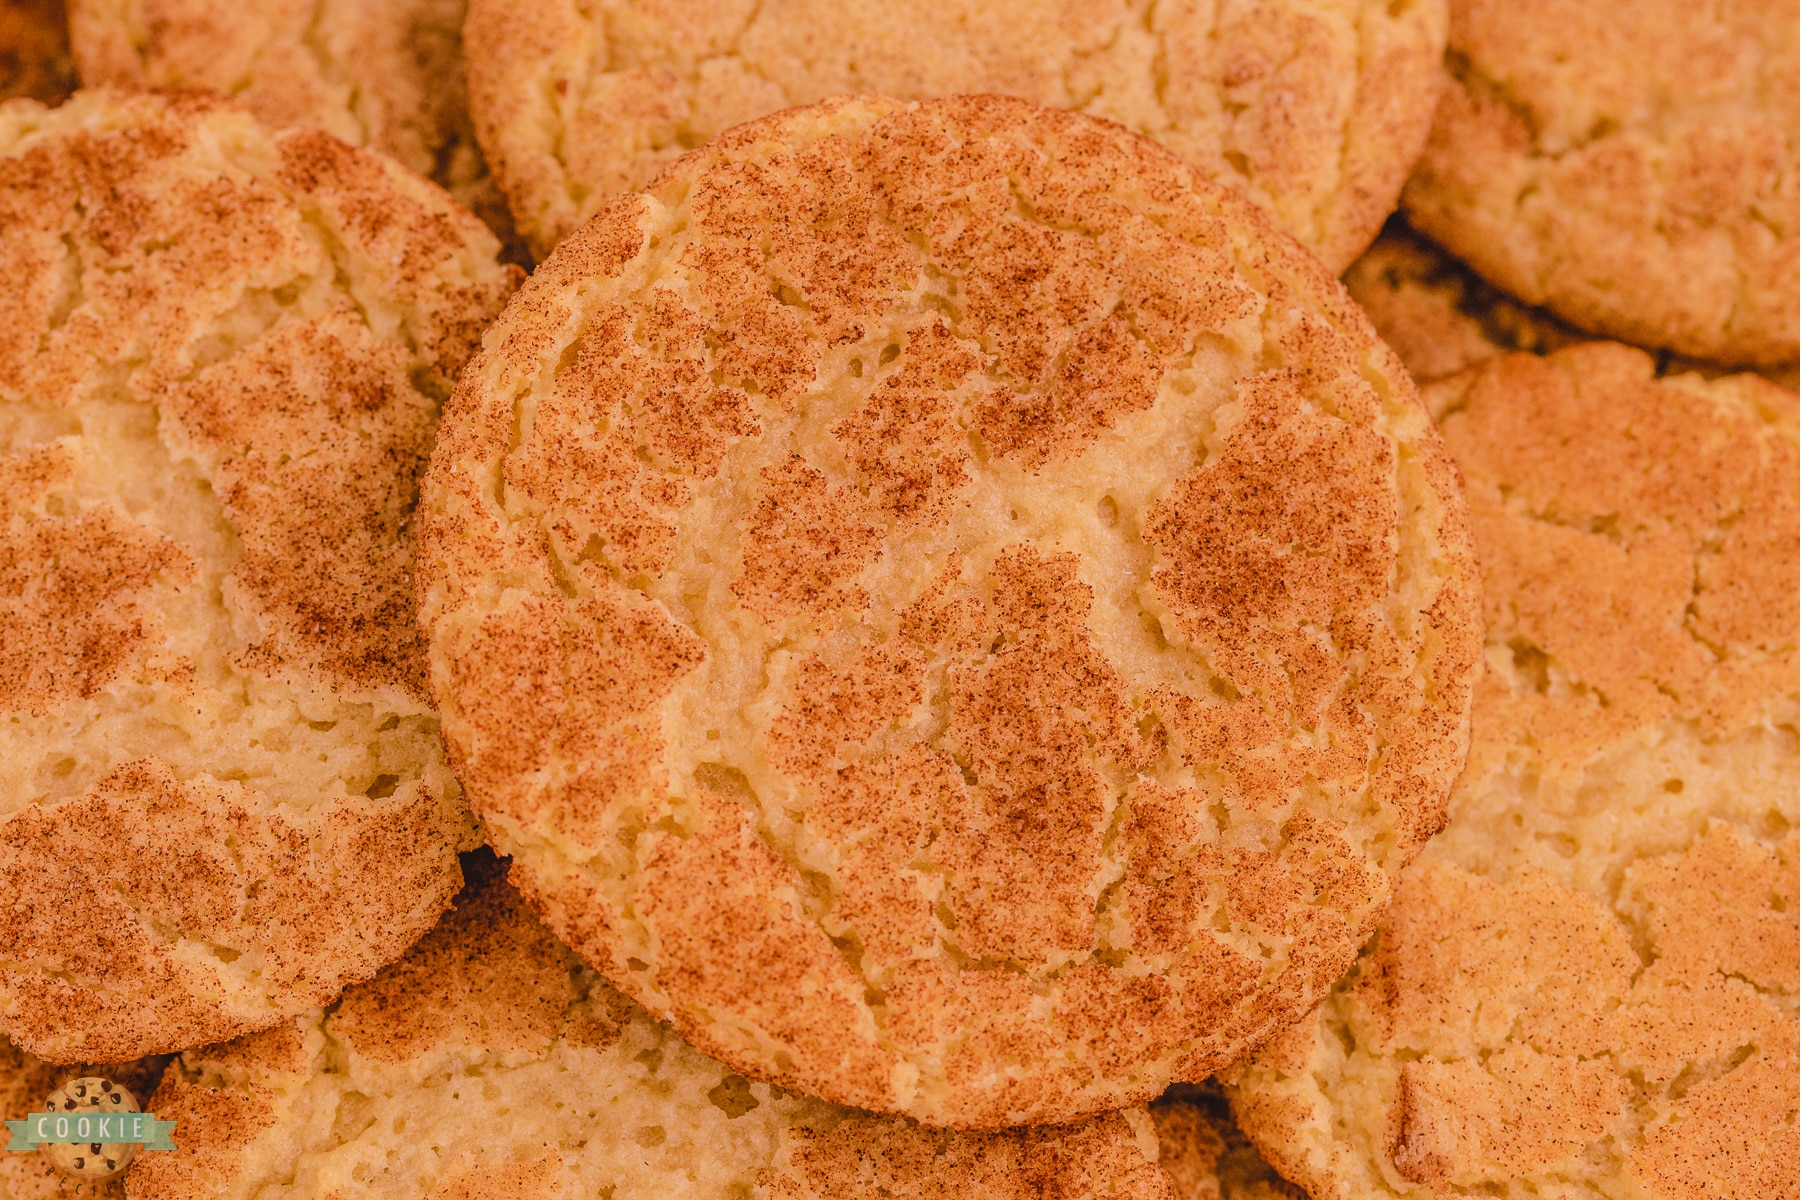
(1634, 174)
(1314, 108)
(1589, 984)
(950, 608)
(491, 1062)
(221, 791)
(387, 74)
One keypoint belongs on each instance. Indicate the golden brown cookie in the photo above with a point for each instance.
(387, 74)
(1630, 168)
(950, 608)
(222, 353)
(489, 1062)
(26, 1084)
(1439, 316)
(34, 51)
(1589, 985)
(1314, 108)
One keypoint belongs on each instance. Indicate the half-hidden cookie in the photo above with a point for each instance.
(1439, 316)
(26, 1083)
(1630, 168)
(34, 51)
(1314, 108)
(1205, 1155)
(222, 795)
(1589, 985)
(949, 607)
(387, 74)
(490, 1062)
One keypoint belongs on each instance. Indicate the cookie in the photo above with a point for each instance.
(1314, 109)
(1206, 1156)
(387, 74)
(26, 1085)
(950, 608)
(34, 51)
(1627, 169)
(222, 794)
(1589, 984)
(1440, 317)
(490, 1062)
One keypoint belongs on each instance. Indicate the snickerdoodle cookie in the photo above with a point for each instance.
(1314, 108)
(387, 74)
(222, 353)
(1589, 985)
(1631, 167)
(490, 1063)
(951, 608)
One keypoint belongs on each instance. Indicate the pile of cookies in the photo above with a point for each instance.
(798, 600)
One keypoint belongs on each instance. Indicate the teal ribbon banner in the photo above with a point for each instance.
(75, 1128)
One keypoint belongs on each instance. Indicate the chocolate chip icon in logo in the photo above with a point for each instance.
(92, 1128)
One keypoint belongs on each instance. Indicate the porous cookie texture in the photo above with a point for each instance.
(1634, 171)
(222, 353)
(1315, 108)
(26, 1085)
(489, 1062)
(34, 51)
(386, 74)
(1439, 316)
(950, 608)
(1589, 984)
(1205, 1155)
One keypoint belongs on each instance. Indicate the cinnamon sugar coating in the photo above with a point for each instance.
(1205, 1155)
(1589, 984)
(1316, 110)
(222, 353)
(950, 609)
(1634, 174)
(387, 74)
(489, 1062)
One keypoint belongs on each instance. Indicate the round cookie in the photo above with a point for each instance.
(1589, 984)
(1630, 169)
(34, 51)
(26, 1085)
(387, 74)
(490, 1062)
(1436, 314)
(1314, 108)
(950, 608)
(222, 794)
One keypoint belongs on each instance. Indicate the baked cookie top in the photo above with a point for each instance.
(221, 358)
(1634, 172)
(1590, 982)
(490, 1062)
(949, 607)
(1314, 108)
(387, 74)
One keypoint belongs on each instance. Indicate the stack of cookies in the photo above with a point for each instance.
(930, 647)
